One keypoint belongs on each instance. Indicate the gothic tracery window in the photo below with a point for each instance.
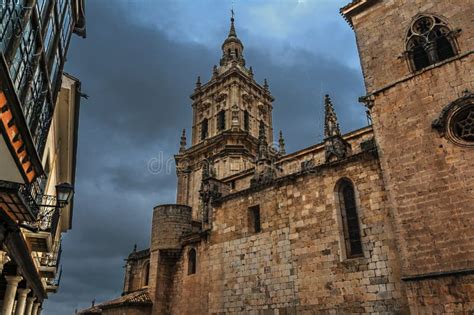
(456, 121)
(429, 40)
(463, 125)
(350, 219)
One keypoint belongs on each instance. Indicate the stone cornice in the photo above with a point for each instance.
(291, 178)
(368, 99)
(354, 7)
(227, 74)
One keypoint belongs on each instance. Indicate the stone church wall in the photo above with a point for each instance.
(381, 31)
(429, 178)
(296, 263)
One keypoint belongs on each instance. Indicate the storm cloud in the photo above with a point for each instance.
(139, 65)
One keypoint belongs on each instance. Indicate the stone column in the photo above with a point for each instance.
(21, 301)
(3, 260)
(29, 305)
(40, 308)
(35, 308)
(10, 293)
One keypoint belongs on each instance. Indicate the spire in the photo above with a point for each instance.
(281, 143)
(182, 143)
(232, 32)
(264, 171)
(335, 146)
(331, 126)
(232, 48)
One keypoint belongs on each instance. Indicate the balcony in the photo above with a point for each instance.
(18, 202)
(49, 262)
(26, 98)
(52, 285)
(45, 229)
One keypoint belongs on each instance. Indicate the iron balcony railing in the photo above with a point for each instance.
(46, 210)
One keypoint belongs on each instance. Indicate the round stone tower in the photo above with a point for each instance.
(170, 222)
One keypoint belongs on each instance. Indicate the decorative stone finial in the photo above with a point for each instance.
(265, 84)
(281, 144)
(215, 71)
(251, 71)
(182, 143)
(335, 146)
(262, 143)
(331, 126)
(198, 83)
(264, 171)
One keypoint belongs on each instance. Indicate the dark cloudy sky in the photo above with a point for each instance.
(139, 64)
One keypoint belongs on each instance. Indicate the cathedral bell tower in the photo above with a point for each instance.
(230, 111)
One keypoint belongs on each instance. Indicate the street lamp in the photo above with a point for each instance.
(64, 193)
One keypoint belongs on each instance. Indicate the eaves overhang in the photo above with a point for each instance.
(353, 8)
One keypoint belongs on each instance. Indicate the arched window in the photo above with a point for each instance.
(191, 261)
(204, 129)
(429, 40)
(350, 219)
(146, 273)
(221, 120)
(246, 121)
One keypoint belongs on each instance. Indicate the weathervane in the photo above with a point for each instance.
(232, 10)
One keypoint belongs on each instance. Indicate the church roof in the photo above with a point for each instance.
(139, 254)
(141, 297)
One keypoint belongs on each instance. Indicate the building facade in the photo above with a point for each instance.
(39, 112)
(378, 220)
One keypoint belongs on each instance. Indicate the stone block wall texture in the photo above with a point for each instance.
(135, 280)
(297, 262)
(442, 295)
(381, 31)
(429, 180)
(170, 222)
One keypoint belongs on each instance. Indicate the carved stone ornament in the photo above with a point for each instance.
(247, 98)
(205, 105)
(220, 97)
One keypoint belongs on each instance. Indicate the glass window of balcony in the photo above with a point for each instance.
(49, 35)
(41, 6)
(10, 20)
(41, 132)
(66, 28)
(60, 6)
(22, 65)
(55, 70)
(34, 100)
